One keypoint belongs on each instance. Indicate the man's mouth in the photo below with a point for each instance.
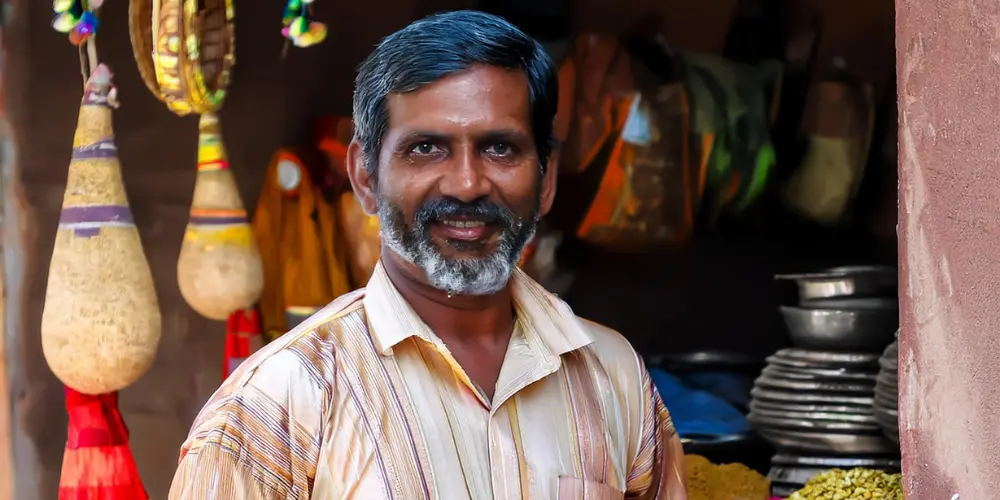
(463, 223)
(464, 229)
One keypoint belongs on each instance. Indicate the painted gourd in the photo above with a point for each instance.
(219, 269)
(101, 321)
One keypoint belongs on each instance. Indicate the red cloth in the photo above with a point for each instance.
(242, 327)
(97, 463)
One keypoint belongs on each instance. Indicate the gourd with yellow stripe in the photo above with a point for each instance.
(219, 270)
(101, 321)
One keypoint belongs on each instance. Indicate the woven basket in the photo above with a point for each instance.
(140, 30)
(101, 321)
(219, 270)
(184, 51)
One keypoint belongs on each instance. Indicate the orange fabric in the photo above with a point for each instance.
(609, 194)
(564, 113)
(626, 211)
(594, 70)
(361, 232)
(97, 463)
(360, 237)
(597, 90)
(707, 142)
(333, 134)
(690, 197)
(303, 265)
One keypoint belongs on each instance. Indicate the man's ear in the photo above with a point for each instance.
(548, 191)
(362, 182)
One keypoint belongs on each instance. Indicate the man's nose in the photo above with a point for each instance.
(465, 178)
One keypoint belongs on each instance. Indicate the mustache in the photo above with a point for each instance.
(480, 209)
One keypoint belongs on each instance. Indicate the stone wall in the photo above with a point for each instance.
(949, 192)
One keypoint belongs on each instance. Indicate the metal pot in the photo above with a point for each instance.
(845, 281)
(866, 330)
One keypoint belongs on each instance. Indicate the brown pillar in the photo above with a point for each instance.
(948, 64)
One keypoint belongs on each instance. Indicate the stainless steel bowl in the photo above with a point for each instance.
(868, 329)
(845, 281)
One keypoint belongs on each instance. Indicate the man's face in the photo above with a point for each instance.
(459, 186)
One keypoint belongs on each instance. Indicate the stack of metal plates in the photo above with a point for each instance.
(886, 405)
(819, 404)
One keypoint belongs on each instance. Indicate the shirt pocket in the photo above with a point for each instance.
(572, 488)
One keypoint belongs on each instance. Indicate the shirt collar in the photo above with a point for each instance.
(542, 315)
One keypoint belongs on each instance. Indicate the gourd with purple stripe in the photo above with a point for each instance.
(101, 319)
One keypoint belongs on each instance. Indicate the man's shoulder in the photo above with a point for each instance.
(623, 368)
(609, 346)
(310, 346)
(292, 377)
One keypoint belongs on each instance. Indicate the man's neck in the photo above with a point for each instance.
(485, 320)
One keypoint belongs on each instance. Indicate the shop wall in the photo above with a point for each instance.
(271, 104)
(949, 194)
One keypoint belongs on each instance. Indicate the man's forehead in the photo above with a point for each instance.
(480, 99)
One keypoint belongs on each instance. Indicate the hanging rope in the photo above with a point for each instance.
(78, 20)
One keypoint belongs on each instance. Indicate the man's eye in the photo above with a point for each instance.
(424, 148)
(499, 149)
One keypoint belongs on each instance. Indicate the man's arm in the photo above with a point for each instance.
(214, 472)
(658, 471)
(258, 440)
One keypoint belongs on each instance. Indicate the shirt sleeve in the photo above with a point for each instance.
(658, 471)
(260, 440)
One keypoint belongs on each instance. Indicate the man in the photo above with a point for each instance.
(452, 375)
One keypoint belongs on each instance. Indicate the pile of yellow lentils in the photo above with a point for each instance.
(706, 481)
(855, 484)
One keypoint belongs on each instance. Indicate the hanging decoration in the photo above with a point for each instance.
(101, 321)
(298, 26)
(76, 18)
(184, 49)
(243, 337)
(98, 462)
(219, 270)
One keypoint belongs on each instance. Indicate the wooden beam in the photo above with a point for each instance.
(18, 477)
(6, 398)
(6, 463)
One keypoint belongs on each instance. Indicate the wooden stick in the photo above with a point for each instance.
(83, 66)
(92, 52)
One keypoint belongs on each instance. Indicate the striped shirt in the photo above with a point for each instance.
(364, 401)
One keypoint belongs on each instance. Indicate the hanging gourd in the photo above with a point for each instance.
(298, 26)
(219, 270)
(184, 49)
(101, 322)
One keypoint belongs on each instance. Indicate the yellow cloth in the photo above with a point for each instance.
(304, 263)
(363, 237)
(363, 401)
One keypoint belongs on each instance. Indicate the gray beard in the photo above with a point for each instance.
(484, 276)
